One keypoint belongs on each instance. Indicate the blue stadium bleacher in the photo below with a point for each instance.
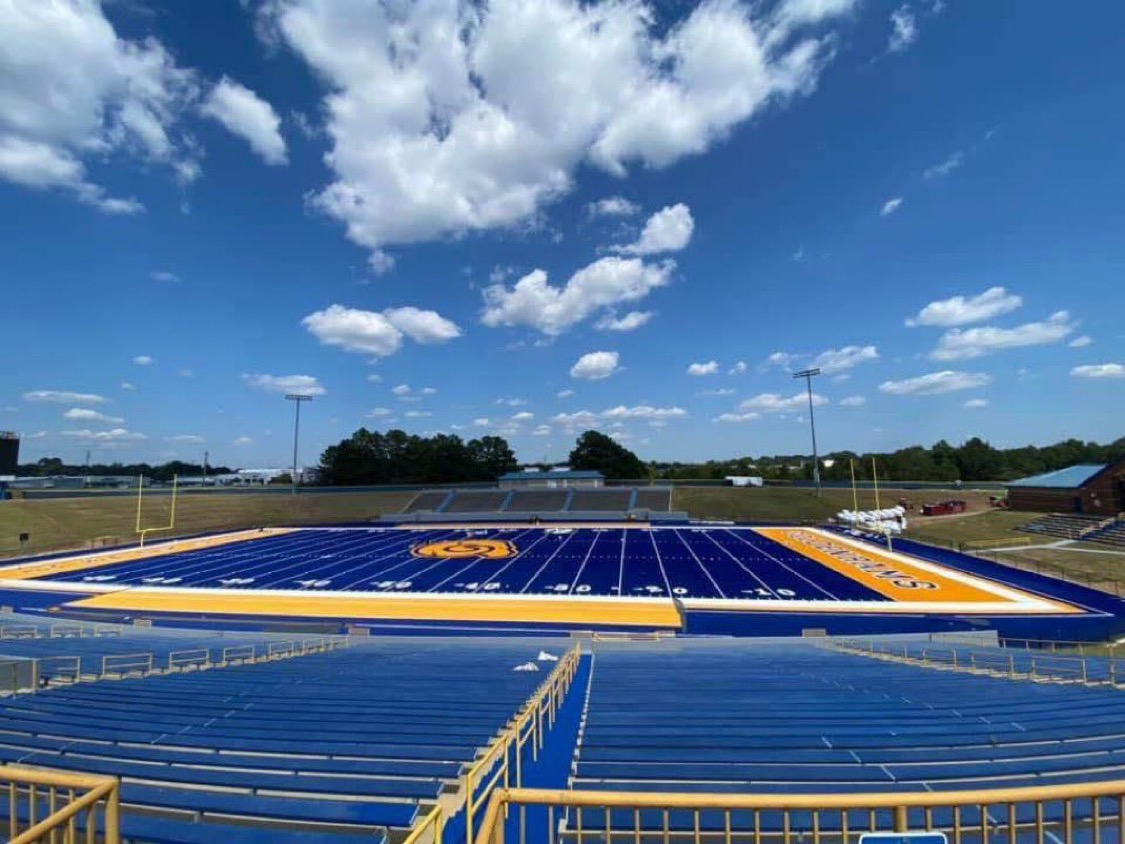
(352, 740)
(796, 718)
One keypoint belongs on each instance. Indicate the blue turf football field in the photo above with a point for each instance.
(711, 562)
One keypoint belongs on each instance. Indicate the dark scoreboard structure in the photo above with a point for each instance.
(9, 452)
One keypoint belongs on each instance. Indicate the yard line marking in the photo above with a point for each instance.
(535, 576)
(660, 562)
(519, 554)
(621, 566)
(585, 560)
(737, 562)
(813, 584)
(699, 563)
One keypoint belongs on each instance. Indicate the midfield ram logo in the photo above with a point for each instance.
(460, 549)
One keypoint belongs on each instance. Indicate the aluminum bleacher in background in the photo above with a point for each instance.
(538, 500)
(1062, 525)
(352, 740)
(476, 501)
(591, 500)
(654, 498)
(1112, 534)
(427, 501)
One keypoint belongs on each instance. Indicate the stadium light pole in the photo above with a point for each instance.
(808, 375)
(296, 398)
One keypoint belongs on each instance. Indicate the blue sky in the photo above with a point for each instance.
(543, 217)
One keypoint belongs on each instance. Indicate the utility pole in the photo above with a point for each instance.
(808, 375)
(206, 454)
(296, 398)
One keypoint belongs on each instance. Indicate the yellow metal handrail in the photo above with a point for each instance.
(433, 822)
(529, 724)
(57, 792)
(896, 806)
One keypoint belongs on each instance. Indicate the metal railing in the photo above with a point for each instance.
(503, 759)
(55, 670)
(52, 807)
(58, 630)
(1013, 664)
(429, 830)
(1037, 815)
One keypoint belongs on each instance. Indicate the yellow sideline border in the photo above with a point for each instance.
(83, 562)
(475, 608)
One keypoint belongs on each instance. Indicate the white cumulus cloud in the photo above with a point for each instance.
(64, 397)
(943, 167)
(904, 29)
(609, 281)
(630, 322)
(1099, 370)
(378, 333)
(243, 113)
(739, 368)
(839, 360)
(737, 417)
(774, 403)
(853, 401)
(934, 383)
(303, 385)
(890, 206)
(1081, 342)
(975, 404)
(612, 206)
(115, 435)
(73, 90)
(668, 230)
(593, 366)
(644, 411)
(968, 343)
(186, 439)
(965, 310)
(711, 367)
(85, 414)
(445, 118)
(142, 360)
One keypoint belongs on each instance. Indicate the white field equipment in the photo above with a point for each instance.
(891, 520)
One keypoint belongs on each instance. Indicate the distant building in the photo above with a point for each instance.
(1091, 489)
(552, 479)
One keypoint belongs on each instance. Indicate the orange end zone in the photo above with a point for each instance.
(574, 613)
(904, 579)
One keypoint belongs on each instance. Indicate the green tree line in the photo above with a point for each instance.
(163, 472)
(973, 460)
(396, 457)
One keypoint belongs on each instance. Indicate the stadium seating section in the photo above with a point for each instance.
(539, 500)
(1112, 534)
(658, 499)
(425, 502)
(594, 500)
(611, 500)
(1062, 525)
(796, 718)
(360, 738)
(477, 501)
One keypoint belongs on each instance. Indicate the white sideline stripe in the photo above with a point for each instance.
(933, 568)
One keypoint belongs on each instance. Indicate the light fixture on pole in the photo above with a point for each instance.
(296, 398)
(808, 375)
